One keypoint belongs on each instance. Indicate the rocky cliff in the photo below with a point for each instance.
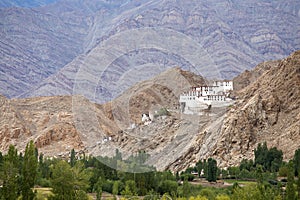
(268, 110)
(247, 77)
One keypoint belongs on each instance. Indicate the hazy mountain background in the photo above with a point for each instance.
(25, 3)
(58, 48)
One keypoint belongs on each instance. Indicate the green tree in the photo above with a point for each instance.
(245, 165)
(260, 154)
(274, 159)
(29, 171)
(81, 177)
(270, 159)
(62, 181)
(234, 172)
(141, 183)
(298, 186)
(222, 197)
(246, 193)
(186, 187)
(168, 186)
(99, 188)
(130, 188)
(67, 182)
(115, 189)
(72, 158)
(290, 190)
(212, 170)
(283, 171)
(259, 175)
(9, 174)
(1, 158)
(208, 193)
(296, 161)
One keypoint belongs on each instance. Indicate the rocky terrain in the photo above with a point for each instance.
(59, 123)
(266, 109)
(247, 77)
(49, 50)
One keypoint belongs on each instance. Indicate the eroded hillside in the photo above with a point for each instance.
(267, 109)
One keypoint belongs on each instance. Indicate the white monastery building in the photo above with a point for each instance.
(215, 95)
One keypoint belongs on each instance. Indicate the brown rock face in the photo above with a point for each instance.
(59, 123)
(247, 77)
(268, 110)
(160, 91)
(13, 128)
(51, 122)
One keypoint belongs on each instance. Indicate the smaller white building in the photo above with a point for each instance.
(146, 119)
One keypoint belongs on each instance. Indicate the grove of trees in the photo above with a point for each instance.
(20, 175)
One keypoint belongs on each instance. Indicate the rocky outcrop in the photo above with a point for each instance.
(161, 91)
(13, 127)
(268, 110)
(53, 123)
(247, 77)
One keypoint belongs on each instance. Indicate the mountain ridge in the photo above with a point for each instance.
(234, 35)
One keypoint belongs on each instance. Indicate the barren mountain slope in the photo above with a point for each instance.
(168, 140)
(161, 91)
(13, 127)
(36, 42)
(60, 123)
(53, 123)
(268, 110)
(232, 35)
(248, 77)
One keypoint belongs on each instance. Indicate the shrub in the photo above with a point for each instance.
(162, 112)
(283, 171)
(209, 194)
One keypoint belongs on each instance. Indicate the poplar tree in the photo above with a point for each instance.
(9, 174)
(297, 162)
(29, 171)
(290, 190)
(72, 158)
(297, 169)
(212, 170)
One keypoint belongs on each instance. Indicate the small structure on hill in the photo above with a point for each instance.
(146, 119)
(206, 96)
